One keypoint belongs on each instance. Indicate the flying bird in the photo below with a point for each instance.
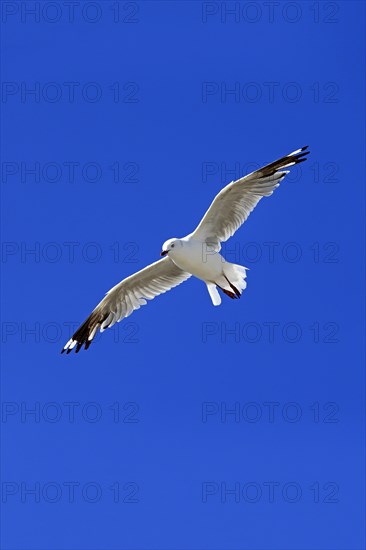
(196, 254)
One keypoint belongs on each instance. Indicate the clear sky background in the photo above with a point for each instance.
(186, 427)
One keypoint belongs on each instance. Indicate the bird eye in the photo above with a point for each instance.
(172, 245)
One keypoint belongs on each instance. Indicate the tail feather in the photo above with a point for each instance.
(232, 283)
(237, 293)
(214, 293)
(235, 275)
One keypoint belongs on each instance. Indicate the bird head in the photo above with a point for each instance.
(169, 246)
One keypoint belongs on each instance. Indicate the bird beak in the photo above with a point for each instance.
(163, 253)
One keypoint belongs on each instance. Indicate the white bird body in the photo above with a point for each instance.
(196, 257)
(196, 254)
(202, 260)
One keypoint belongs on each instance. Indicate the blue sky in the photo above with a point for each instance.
(187, 426)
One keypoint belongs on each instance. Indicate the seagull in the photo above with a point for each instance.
(196, 254)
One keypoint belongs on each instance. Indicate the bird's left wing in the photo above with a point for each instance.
(232, 206)
(124, 298)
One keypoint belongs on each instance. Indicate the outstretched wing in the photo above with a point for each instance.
(232, 206)
(124, 298)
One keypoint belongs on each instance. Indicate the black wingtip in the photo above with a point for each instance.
(87, 344)
(299, 157)
(78, 347)
(301, 160)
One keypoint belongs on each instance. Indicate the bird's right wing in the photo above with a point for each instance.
(232, 206)
(124, 298)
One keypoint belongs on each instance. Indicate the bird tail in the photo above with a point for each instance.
(232, 282)
(213, 292)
